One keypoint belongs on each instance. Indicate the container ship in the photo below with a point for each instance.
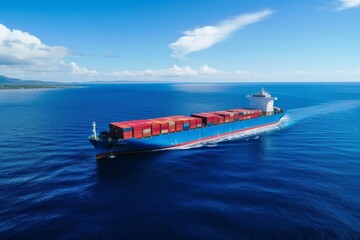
(145, 135)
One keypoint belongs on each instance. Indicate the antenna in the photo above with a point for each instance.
(263, 90)
(94, 130)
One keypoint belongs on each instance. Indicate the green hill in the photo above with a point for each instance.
(14, 83)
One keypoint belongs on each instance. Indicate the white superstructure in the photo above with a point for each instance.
(263, 101)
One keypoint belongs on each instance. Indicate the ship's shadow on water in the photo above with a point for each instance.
(251, 149)
(126, 165)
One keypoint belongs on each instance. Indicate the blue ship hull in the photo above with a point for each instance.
(109, 147)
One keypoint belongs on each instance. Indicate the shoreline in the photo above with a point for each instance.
(29, 87)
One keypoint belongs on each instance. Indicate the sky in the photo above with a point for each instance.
(181, 40)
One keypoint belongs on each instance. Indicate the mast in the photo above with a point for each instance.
(94, 130)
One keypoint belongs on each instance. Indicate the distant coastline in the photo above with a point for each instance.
(15, 87)
(7, 83)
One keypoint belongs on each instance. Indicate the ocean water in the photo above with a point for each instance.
(297, 180)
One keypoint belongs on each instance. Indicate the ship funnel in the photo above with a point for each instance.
(263, 101)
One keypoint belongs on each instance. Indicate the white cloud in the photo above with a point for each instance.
(18, 48)
(346, 4)
(75, 69)
(56, 71)
(207, 70)
(67, 72)
(208, 74)
(23, 55)
(205, 37)
(173, 72)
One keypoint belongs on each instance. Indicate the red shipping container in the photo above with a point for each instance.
(207, 118)
(138, 130)
(155, 125)
(149, 127)
(193, 123)
(155, 132)
(179, 127)
(172, 129)
(135, 125)
(120, 125)
(176, 121)
(204, 116)
(171, 122)
(120, 130)
(226, 115)
(247, 111)
(138, 134)
(127, 135)
(163, 124)
(236, 115)
(215, 119)
(146, 125)
(198, 122)
(147, 132)
(242, 110)
(232, 117)
(185, 120)
(221, 119)
(141, 128)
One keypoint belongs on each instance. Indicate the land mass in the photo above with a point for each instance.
(14, 83)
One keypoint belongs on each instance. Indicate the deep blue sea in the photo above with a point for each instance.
(297, 180)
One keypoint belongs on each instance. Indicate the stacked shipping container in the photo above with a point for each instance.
(171, 124)
(208, 119)
(120, 130)
(247, 113)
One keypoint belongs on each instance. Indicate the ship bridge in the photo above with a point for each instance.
(263, 101)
